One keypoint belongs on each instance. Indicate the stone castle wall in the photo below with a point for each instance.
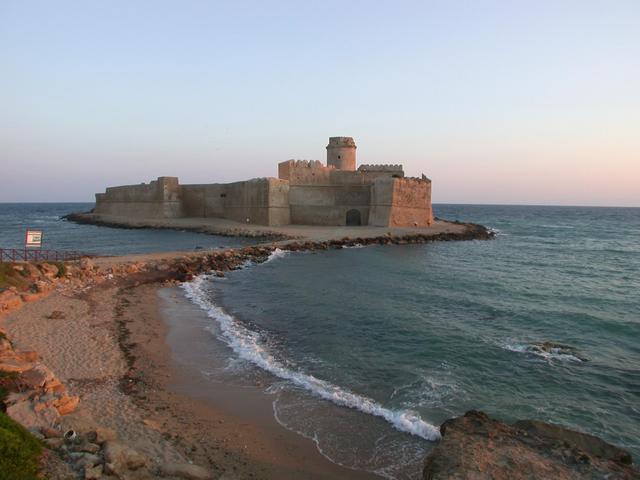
(304, 172)
(306, 192)
(157, 199)
(262, 201)
(398, 202)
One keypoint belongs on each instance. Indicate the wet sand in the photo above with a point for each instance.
(131, 353)
(241, 415)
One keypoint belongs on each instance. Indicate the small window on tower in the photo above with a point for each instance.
(223, 195)
(339, 157)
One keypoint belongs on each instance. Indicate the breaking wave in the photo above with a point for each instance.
(277, 253)
(496, 232)
(548, 350)
(246, 344)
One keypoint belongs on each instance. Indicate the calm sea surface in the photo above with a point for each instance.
(408, 336)
(59, 234)
(367, 350)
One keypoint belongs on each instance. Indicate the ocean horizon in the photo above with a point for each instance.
(367, 350)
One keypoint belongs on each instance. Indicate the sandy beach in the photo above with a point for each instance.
(116, 332)
(110, 348)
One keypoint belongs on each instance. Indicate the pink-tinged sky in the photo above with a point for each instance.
(497, 102)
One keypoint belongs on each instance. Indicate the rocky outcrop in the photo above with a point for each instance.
(36, 398)
(476, 446)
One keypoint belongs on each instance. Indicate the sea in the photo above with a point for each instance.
(367, 350)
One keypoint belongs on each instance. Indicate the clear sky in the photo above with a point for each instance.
(497, 102)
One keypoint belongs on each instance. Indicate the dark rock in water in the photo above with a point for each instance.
(476, 446)
(557, 349)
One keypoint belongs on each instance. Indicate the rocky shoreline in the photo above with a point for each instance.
(40, 401)
(477, 446)
(42, 278)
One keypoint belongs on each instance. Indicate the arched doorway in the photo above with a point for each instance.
(353, 217)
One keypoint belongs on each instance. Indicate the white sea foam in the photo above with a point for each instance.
(356, 245)
(246, 344)
(556, 226)
(277, 253)
(550, 354)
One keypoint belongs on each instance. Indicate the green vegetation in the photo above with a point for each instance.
(7, 384)
(62, 269)
(10, 277)
(19, 451)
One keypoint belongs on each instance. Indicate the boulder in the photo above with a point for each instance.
(5, 345)
(27, 356)
(14, 365)
(54, 386)
(24, 413)
(85, 460)
(54, 443)
(104, 434)
(86, 447)
(48, 270)
(589, 444)
(66, 404)
(32, 296)
(476, 446)
(51, 432)
(120, 457)
(185, 470)
(9, 300)
(94, 473)
(36, 377)
(86, 264)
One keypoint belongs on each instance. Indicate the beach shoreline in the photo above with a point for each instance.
(128, 380)
(97, 324)
(113, 334)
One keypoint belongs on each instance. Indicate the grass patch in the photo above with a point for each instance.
(9, 277)
(7, 385)
(19, 451)
(62, 269)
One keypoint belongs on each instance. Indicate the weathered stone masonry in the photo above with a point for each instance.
(305, 192)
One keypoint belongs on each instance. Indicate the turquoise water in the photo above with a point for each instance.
(369, 348)
(59, 234)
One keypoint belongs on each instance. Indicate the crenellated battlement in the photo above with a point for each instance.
(422, 179)
(306, 192)
(380, 168)
(308, 164)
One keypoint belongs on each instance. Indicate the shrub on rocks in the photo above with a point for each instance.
(19, 451)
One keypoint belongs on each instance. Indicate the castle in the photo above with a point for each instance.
(305, 192)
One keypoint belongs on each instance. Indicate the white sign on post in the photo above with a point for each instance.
(33, 238)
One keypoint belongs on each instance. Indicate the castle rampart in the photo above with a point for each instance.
(306, 192)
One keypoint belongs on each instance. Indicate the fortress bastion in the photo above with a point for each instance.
(305, 192)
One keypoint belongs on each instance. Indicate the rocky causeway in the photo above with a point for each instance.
(86, 385)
